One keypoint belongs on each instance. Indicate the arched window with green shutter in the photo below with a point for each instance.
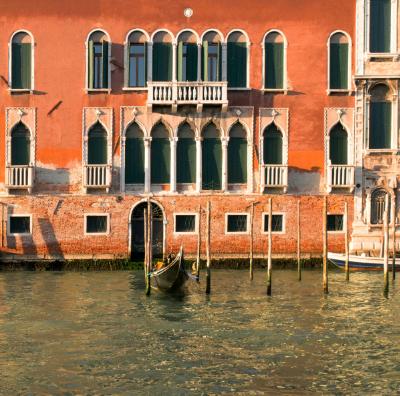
(212, 57)
(134, 155)
(186, 155)
(380, 117)
(136, 59)
(162, 56)
(187, 57)
(20, 145)
(237, 155)
(272, 145)
(338, 149)
(380, 26)
(97, 145)
(21, 61)
(211, 158)
(160, 155)
(237, 60)
(339, 58)
(98, 47)
(274, 61)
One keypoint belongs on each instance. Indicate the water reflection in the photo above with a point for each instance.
(98, 333)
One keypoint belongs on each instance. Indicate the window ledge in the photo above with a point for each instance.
(338, 232)
(393, 56)
(95, 90)
(275, 90)
(381, 151)
(21, 90)
(134, 89)
(239, 89)
(342, 91)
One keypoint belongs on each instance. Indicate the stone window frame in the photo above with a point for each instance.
(86, 215)
(196, 223)
(283, 214)
(343, 230)
(368, 207)
(247, 232)
(9, 233)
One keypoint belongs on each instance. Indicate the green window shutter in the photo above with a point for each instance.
(274, 54)
(338, 146)
(97, 147)
(145, 63)
(219, 69)
(16, 59)
(212, 164)
(20, 146)
(338, 64)
(160, 161)
(134, 161)
(205, 61)
(91, 64)
(272, 147)
(191, 62)
(26, 65)
(237, 65)
(105, 64)
(380, 125)
(186, 161)
(380, 26)
(180, 61)
(237, 160)
(162, 62)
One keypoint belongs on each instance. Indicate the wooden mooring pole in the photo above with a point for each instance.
(251, 239)
(394, 240)
(269, 270)
(149, 219)
(386, 249)
(325, 247)
(346, 241)
(198, 245)
(298, 242)
(208, 273)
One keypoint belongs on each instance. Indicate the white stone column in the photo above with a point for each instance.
(173, 143)
(123, 164)
(250, 175)
(198, 164)
(147, 164)
(225, 141)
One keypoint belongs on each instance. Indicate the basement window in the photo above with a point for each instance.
(236, 223)
(277, 223)
(97, 224)
(185, 223)
(19, 225)
(335, 222)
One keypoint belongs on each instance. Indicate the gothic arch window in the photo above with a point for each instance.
(134, 155)
(160, 155)
(275, 61)
(272, 145)
(21, 58)
(98, 60)
(162, 56)
(338, 145)
(380, 117)
(20, 145)
(136, 59)
(211, 149)
(237, 60)
(186, 155)
(187, 57)
(97, 145)
(378, 205)
(212, 56)
(339, 61)
(237, 154)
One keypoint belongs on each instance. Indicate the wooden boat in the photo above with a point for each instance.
(173, 276)
(361, 263)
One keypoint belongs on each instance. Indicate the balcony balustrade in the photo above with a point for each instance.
(274, 176)
(97, 176)
(340, 176)
(19, 177)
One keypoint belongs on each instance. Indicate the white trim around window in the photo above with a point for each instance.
(196, 223)
(273, 214)
(343, 230)
(9, 233)
(86, 215)
(237, 232)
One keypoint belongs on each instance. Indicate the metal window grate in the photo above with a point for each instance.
(277, 223)
(96, 224)
(185, 223)
(335, 222)
(237, 223)
(20, 225)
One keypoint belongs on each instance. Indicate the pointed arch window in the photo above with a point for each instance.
(338, 145)
(211, 158)
(99, 51)
(274, 61)
(272, 145)
(160, 155)
(379, 199)
(237, 155)
(212, 57)
(162, 57)
(136, 65)
(21, 68)
(97, 145)
(20, 145)
(237, 60)
(134, 155)
(339, 62)
(380, 26)
(187, 57)
(186, 155)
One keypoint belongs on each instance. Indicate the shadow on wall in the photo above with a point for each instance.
(49, 237)
(46, 179)
(304, 181)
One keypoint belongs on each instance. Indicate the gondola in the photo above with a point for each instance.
(173, 276)
(361, 263)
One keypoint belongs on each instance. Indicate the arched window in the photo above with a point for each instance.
(186, 155)
(211, 158)
(160, 155)
(20, 145)
(162, 57)
(380, 117)
(99, 50)
(237, 154)
(21, 61)
(237, 60)
(272, 145)
(339, 61)
(338, 152)
(136, 65)
(187, 57)
(378, 205)
(380, 26)
(97, 145)
(274, 61)
(134, 155)
(212, 57)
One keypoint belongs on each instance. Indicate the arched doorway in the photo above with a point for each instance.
(137, 231)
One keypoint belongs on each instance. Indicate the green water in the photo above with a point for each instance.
(96, 333)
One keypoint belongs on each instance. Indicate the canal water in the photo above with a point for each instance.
(97, 333)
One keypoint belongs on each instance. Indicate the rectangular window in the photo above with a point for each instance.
(380, 125)
(237, 65)
(97, 65)
(96, 224)
(334, 222)
(380, 18)
(137, 65)
(19, 224)
(21, 66)
(339, 65)
(274, 64)
(212, 61)
(185, 223)
(236, 223)
(277, 222)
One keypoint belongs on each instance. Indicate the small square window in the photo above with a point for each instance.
(277, 223)
(236, 223)
(96, 224)
(335, 222)
(185, 223)
(20, 224)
